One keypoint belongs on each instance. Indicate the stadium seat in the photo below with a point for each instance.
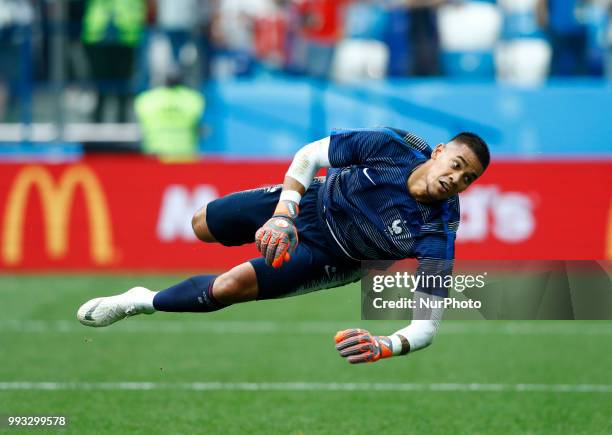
(356, 59)
(523, 56)
(468, 34)
(524, 61)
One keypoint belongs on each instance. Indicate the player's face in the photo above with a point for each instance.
(455, 167)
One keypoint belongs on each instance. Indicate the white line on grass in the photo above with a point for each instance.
(304, 386)
(255, 327)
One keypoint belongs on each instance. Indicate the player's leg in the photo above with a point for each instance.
(310, 269)
(233, 219)
(202, 293)
(200, 226)
(206, 293)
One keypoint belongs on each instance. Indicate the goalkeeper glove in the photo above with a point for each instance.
(278, 237)
(359, 346)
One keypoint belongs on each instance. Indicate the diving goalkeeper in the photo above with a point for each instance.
(387, 196)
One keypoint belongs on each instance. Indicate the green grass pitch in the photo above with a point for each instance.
(288, 343)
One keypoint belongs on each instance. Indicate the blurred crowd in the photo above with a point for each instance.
(122, 47)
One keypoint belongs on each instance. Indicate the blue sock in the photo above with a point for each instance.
(193, 295)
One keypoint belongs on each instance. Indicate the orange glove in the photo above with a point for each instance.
(360, 346)
(278, 237)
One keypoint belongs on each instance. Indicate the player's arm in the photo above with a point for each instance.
(278, 238)
(359, 345)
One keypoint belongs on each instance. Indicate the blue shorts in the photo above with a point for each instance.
(316, 263)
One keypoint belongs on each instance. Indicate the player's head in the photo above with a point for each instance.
(456, 165)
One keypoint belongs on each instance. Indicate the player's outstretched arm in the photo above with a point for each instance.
(359, 345)
(278, 237)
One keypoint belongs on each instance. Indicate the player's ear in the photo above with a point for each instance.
(437, 151)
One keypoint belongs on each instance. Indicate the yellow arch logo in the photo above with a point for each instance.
(56, 201)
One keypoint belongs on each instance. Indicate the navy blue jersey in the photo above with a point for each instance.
(366, 203)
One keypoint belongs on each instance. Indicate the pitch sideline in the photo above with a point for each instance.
(256, 327)
(305, 386)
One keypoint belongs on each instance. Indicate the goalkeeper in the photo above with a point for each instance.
(387, 196)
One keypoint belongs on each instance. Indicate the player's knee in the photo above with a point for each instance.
(226, 286)
(200, 227)
(237, 285)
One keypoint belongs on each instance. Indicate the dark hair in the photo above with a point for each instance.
(174, 77)
(477, 145)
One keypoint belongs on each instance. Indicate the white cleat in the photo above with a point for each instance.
(106, 311)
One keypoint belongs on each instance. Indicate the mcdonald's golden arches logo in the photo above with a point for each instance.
(57, 198)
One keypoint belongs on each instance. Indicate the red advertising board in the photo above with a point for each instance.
(133, 213)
